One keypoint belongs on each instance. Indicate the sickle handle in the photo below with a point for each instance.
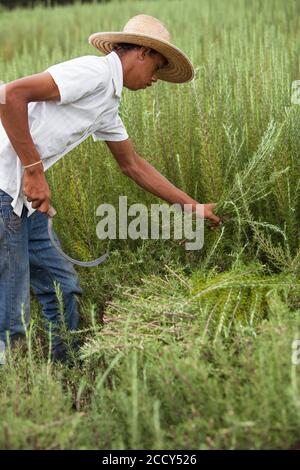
(51, 212)
(87, 264)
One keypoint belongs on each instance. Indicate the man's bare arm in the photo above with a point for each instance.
(14, 118)
(146, 176)
(14, 113)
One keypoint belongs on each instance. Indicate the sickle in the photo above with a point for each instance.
(88, 264)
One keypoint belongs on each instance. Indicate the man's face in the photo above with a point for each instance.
(143, 69)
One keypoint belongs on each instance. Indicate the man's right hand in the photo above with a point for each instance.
(36, 189)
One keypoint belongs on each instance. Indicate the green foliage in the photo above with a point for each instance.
(160, 394)
(237, 298)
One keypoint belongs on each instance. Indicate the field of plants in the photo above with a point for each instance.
(181, 349)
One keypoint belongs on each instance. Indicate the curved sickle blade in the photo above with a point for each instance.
(86, 264)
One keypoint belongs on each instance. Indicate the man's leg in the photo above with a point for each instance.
(14, 271)
(47, 266)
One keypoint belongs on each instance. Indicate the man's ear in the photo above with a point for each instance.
(142, 52)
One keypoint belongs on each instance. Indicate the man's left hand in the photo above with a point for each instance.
(209, 214)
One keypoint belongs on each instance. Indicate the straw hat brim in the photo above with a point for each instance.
(179, 68)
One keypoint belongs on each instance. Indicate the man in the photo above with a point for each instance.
(44, 117)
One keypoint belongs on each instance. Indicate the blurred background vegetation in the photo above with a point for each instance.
(10, 4)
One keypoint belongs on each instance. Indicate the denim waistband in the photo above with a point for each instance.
(4, 194)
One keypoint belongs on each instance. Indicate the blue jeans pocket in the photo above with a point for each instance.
(11, 220)
(2, 228)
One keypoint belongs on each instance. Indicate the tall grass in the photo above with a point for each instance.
(182, 349)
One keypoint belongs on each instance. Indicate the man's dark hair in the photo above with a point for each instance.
(123, 47)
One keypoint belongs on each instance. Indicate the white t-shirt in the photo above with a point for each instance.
(90, 88)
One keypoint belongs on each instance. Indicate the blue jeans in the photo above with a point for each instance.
(27, 257)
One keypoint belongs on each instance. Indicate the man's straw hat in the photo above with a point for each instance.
(147, 31)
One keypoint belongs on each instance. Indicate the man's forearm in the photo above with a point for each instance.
(146, 176)
(14, 118)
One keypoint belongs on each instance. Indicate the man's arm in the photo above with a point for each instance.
(146, 176)
(14, 118)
